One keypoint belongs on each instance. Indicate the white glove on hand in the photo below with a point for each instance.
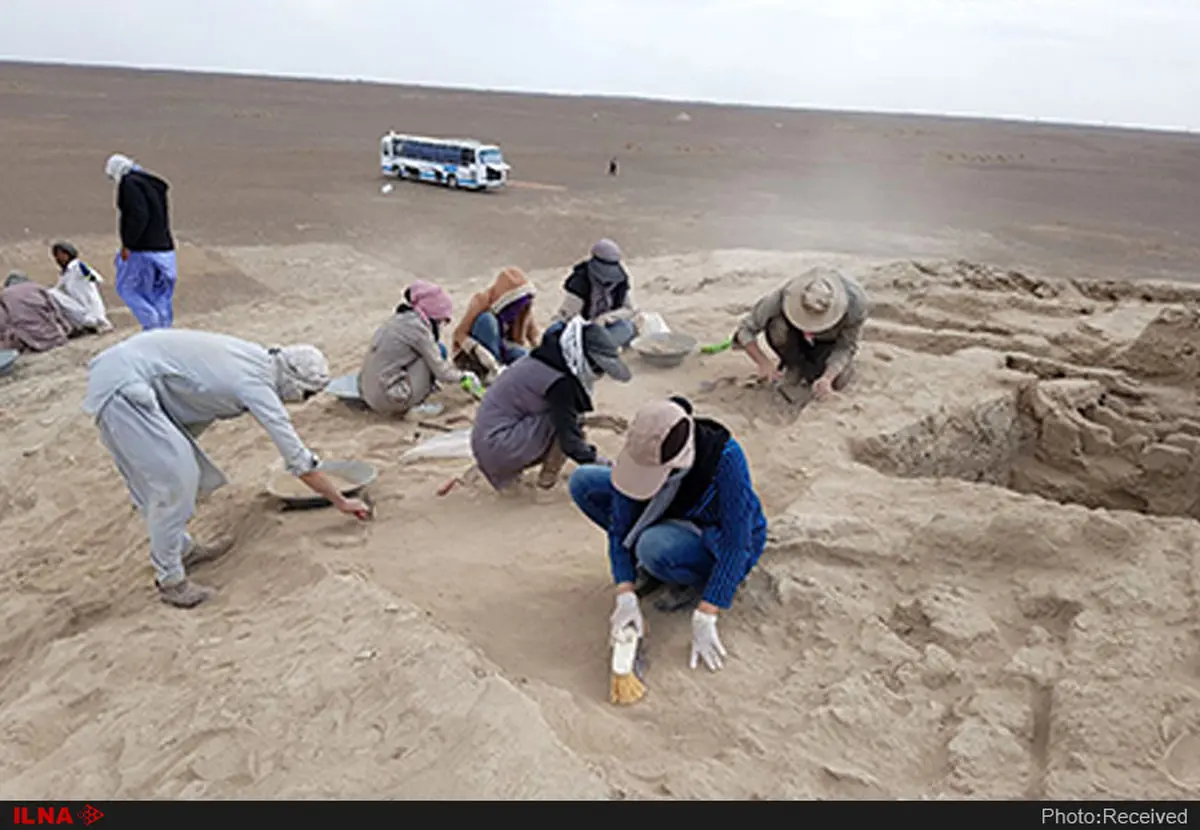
(706, 645)
(626, 613)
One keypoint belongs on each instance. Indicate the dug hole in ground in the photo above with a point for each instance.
(980, 579)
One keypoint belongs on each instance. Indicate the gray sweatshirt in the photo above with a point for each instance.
(846, 334)
(200, 377)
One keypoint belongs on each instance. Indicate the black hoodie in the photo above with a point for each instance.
(567, 399)
(145, 216)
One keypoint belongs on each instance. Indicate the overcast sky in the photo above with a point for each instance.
(1129, 62)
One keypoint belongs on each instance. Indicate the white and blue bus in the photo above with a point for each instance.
(450, 162)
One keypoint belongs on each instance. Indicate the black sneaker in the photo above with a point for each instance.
(645, 584)
(679, 598)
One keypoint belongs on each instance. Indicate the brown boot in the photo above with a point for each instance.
(552, 465)
(200, 554)
(185, 594)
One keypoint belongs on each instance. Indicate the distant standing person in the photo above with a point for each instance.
(612, 166)
(146, 266)
(598, 290)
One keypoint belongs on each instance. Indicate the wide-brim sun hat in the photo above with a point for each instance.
(816, 300)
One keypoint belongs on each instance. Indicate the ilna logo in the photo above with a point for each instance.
(88, 816)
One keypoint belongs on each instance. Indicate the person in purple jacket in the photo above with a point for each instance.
(532, 413)
(680, 512)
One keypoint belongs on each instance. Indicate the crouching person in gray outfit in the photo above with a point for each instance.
(154, 393)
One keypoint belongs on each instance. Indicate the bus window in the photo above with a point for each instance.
(468, 156)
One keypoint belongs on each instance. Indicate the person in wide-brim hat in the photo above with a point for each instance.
(813, 324)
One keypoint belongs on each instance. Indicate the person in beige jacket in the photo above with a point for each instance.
(405, 360)
(813, 324)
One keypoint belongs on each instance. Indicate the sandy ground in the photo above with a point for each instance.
(983, 565)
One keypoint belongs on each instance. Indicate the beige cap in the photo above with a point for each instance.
(816, 300)
(660, 439)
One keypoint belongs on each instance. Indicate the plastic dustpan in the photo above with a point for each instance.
(345, 387)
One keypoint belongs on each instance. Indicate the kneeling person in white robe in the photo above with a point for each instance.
(153, 394)
(78, 292)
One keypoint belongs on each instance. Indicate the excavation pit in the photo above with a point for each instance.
(1070, 441)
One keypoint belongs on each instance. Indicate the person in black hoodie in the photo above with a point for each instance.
(532, 413)
(598, 290)
(146, 267)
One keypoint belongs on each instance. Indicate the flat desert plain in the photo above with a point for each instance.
(984, 557)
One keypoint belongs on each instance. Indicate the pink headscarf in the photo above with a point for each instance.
(430, 301)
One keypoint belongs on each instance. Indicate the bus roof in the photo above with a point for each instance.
(455, 142)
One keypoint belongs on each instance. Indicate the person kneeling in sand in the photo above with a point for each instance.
(598, 290)
(78, 292)
(813, 324)
(154, 394)
(680, 511)
(498, 328)
(30, 320)
(405, 361)
(532, 413)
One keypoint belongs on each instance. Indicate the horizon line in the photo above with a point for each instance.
(603, 96)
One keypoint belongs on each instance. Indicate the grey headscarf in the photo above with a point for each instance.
(605, 273)
(15, 277)
(66, 247)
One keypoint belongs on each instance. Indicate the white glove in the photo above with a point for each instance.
(627, 613)
(706, 645)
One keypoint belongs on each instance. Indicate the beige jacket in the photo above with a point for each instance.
(846, 334)
(402, 364)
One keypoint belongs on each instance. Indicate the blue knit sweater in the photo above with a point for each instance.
(729, 515)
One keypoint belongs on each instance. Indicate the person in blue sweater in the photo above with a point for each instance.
(681, 514)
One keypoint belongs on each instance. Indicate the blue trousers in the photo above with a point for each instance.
(146, 283)
(671, 551)
(487, 332)
(622, 332)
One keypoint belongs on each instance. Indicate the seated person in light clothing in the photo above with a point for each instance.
(813, 325)
(680, 510)
(78, 292)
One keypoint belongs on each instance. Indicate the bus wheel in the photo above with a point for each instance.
(451, 181)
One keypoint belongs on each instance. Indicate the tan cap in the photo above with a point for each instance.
(815, 301)
(660, 439)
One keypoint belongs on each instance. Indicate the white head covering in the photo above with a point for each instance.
(571, 343)
(117, 166)
(301, 370)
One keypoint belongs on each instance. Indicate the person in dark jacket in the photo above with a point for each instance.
(598, 290)
(532, 413)
(680, 512)
(146, 267)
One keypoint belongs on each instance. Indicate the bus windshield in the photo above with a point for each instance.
(490, 157)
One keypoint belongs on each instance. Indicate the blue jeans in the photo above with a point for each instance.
(487, 332)
(671, 551)
(622, 332)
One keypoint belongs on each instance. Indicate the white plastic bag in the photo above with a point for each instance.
(455, 444)
(654, 324)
